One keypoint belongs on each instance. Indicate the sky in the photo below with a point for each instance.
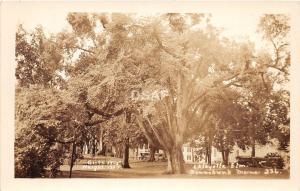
(237, 25)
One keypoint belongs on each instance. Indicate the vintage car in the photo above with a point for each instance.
(261, 162)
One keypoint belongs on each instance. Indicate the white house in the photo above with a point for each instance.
(189, 153)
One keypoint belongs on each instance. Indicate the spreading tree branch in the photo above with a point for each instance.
(104, 114)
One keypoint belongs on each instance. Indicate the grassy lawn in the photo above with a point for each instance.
(109, 168)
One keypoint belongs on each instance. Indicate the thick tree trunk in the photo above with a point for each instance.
(171, 144)
(152, 154)
(179, 125)
(125, 162)
(175, 161)
(72, 159)
(169, 167)
(178, 162)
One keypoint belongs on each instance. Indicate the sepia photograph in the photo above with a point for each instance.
(152, 95)
(155, 95)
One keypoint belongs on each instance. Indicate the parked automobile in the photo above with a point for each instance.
(269, 161)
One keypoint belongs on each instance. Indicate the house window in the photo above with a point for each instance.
(189, 149)
(215, 152)
(188, 157)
